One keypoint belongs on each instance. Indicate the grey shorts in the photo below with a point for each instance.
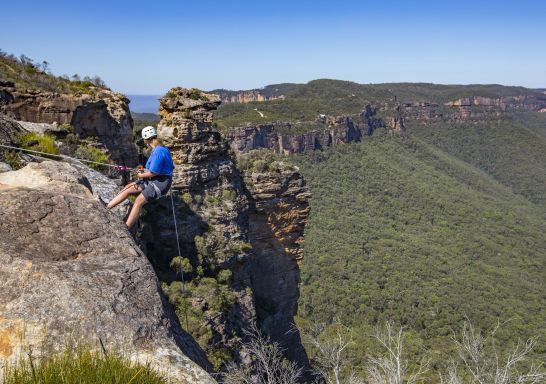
(155, 187)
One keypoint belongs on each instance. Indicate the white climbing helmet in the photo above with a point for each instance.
(148, 132)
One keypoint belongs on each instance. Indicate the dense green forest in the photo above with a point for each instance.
(303, 102)
(423, 231)
(442, 225)
(512, 150)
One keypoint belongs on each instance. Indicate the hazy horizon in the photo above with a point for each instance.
(149, 103)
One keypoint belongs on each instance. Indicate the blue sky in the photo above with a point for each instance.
(147, 47)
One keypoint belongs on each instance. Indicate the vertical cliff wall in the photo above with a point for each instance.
(216, 303)
(240, 244)
(279, 208)
(244, 97)
(285, 137)
(102, 114)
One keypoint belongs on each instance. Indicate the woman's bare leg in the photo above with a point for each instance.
(130, 189)
(135, 211)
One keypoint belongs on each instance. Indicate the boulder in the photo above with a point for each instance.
(4, 167)
(71, 272)
(9, 132)
(40, 128)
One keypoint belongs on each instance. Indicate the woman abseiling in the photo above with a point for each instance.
(155, 181)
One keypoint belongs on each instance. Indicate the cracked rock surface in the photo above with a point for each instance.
(70, 271)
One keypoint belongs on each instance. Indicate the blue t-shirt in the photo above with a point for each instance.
(160, 161)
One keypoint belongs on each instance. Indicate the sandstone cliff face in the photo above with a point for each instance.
(70, 271)
(246, 97)
(392, 116)
(103, 114)
(521, 102)
(334, 130)
(250, 229)
(211, 213)
(474, 107)
(279, 209)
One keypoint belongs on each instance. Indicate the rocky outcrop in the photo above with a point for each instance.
(211, 212)
(521, 102)
(102, 114)
(473, 107)
(422, 111)
(279, 209)
(250, 229)
(71, 272)
(325, 132)
(4, 167)
(287, 137)
(244, 97)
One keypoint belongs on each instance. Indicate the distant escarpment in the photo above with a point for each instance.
(325, 131)
(474, 107)
(244, 97)
(101, 114)
(289, 137)
(220, 298)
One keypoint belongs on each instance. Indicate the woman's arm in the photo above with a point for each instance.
(145, 175)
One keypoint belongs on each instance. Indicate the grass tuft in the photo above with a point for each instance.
(80, 366)
(41, 143)
(93, 154)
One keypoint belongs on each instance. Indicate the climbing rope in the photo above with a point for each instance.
(114, 166)
(180, 256)
(177, 238)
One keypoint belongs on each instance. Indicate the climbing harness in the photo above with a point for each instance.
(159, 194)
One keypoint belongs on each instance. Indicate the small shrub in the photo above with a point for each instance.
(183, 262)
(211, 199)
(228, 194)
(41, 143)
(259, 166)
(83, 87)
(12, 159)
(195, 94)
(171, 93)
(239, 247)
(198, 199)
(219, 357)
(187, 198)
(224, 276)
(201, 245)
(72, 139)
(68, 127)
(93, 154)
